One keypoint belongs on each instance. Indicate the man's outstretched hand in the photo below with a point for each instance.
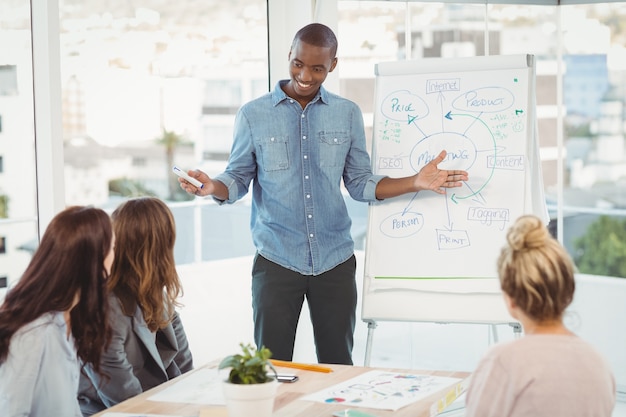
(432, 178)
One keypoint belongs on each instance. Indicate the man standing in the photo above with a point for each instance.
(296, 144)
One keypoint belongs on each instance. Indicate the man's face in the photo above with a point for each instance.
(308, 67)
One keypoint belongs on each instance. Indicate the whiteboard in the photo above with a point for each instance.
(432, 257)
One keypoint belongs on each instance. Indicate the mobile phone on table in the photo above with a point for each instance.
(286, 378)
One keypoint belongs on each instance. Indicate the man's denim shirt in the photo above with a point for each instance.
(296, 159)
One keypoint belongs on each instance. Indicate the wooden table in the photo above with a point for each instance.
(287, 403)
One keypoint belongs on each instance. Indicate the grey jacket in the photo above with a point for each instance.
(136, 359)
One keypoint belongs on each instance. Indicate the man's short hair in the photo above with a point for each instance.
(317, 34)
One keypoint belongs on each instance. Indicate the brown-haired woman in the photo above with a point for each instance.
(55, 316)
(149, 345)
(550, 371)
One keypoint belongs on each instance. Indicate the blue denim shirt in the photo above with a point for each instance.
(296, 160)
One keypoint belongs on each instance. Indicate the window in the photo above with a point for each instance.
(139, 162)
(4, 206)
(18, 209)
(222, 96)
(8, 80)
(594, 91)
(193, 70)
(152, 85)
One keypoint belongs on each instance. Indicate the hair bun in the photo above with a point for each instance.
(527, 233)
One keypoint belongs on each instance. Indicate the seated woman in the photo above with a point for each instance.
(149, 345)
(55, 316)
(550, 371)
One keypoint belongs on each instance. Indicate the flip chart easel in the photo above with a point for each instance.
(432, 257)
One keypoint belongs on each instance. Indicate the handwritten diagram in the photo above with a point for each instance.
(483, 120)
(383, 390)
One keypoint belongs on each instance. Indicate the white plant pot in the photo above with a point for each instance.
(250, 400)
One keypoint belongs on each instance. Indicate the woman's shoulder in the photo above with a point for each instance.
(543, 347)
(51, 319)
(121, 303)
(32, 337)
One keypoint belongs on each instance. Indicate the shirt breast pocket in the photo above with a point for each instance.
(334, 148)
(274, 153)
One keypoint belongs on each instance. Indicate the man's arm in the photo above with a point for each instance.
(430, 177)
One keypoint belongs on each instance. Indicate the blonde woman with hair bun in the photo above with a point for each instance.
(550, 371)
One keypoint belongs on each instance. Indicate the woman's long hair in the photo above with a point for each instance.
(144, 269)
(69, 262)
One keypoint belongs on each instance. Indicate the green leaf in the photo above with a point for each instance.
(251, 367)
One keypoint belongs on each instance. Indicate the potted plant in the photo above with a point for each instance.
(249, 390)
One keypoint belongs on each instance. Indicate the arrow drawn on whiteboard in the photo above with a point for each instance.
(441, 98)
(476, 193)
(472, 124)
(448, 213)
(412, 121)
(449, 227)
(408, 206)
(479, 198)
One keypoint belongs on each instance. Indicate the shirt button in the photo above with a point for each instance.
(310, 216)
(302, 115)
(311, 235)
(335, 140)
(306, 177)
(304, 137)
(306, 157)
(308, 196)
(271, 139)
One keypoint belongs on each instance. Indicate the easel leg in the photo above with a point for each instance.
(494, 333)
(517, 330)
(371, 325)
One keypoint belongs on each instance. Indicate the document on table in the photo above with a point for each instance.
(454, 399)
(455, 409)
(383, 390)
(203, 386)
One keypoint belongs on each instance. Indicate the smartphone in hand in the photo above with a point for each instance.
(184, 175)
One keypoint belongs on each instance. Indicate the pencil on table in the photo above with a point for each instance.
(304, 366)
